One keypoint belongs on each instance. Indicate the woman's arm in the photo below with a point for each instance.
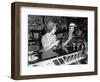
(69, 37)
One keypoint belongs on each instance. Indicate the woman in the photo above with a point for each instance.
(49, 41)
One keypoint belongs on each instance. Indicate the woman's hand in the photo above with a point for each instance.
(55, 46)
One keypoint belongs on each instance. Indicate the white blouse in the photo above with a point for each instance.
(48, 41)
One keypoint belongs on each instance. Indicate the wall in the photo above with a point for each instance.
(5, 39)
